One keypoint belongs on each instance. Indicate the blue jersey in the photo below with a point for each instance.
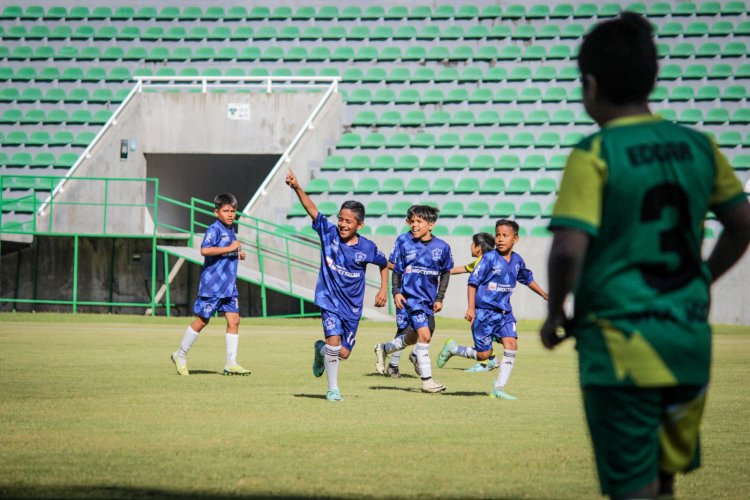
(420, 265)
(341, 282)
(495, 279)
(219, 273)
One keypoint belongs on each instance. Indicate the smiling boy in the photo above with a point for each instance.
(340, 290)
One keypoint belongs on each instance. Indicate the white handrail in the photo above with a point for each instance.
(112, 120)
(285, 156)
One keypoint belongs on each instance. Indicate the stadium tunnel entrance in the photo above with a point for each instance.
(203, 176)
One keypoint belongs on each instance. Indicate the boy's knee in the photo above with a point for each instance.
(344, 353)
(484, 356)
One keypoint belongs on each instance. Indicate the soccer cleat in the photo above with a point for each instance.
(498, 394)
(392, 371)
(432, 385)
(319, 365)
(235, 369)
(415, 362)
(446, 353)
(380, 358)
(334, 395)
(180, 364)
(479, 367)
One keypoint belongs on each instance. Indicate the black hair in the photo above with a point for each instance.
(425, 212)
(621, 56)
(356, 207)
(485, 241)
(508, 222)
(225, 199)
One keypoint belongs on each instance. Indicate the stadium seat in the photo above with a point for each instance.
(442, 185)
(418, 185)
(492, 186)
(467, 186)
(431, 163)
(502, 210)
(358, 163)
(392, 185)
(483, 162)
(452, 209)
(529, 210)
(476, 209)
(544, 186)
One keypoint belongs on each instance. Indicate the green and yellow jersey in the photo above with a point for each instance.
(641, 187)
(471, 265)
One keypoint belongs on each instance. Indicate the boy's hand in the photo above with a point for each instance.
(380, 298)
(469, 316)
(437, 307)
(399, 300)
(241, 253)
(291, 180)
(553, 332)
(235, 245)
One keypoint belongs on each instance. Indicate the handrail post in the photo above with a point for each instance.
(168, 304)
(75, 273)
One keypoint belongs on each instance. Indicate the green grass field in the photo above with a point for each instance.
(92, 407)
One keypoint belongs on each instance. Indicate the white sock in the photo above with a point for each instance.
(506, 367)
(187, 341)
(423, 357)
(331, 354)
(394, 345)
(395, 358)
(464, 352)
(232, 340)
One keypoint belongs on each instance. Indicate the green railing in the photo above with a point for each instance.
(295, 258)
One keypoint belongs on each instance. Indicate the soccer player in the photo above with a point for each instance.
(217, 291)
(421, 271)
(481, 243)
(490, 286)
(340, 290)
(628, 227)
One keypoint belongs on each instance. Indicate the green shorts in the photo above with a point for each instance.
(638, 432)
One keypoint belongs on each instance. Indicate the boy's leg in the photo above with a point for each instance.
(232, 337)
(331, 353)
(507, 333)
(420, 324)
(189, 338)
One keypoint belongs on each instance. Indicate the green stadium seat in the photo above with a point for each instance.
(734, 50)
(682, 93)
(721, 29)
(358, 163)
(670, 30)
(534, 162)
(709, 9)
(571, 139)
(505, 95)
(373, 141)
(492, 186)
(716, 116)
(397, 141)
(317, 186)
(696, 29)
(502, 210)
(480, 96)
(404, 163)
(670, 72)
(729, 139)
(476, 209)
(741, 162)
(342, 186)
(544, 186)
(471, 140)
(725, 71)
(483, 162)
(467, 186)
(349, 140)
(33, 117)
(452, 209)
(708, 50)
(557, 162)
(498, 140)
(733, 93)
(442, 185)
(562, 117)
(518, 185)
(30, 95)
(333, 163)
(708, 93)
(392, 185)
(522, 140)
(418, 185)
(529, 210)
(519, 74)
(53, 95)
(740, 116)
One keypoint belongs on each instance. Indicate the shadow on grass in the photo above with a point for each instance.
(128, 492)
(417, 389)
(310, 396)
(376, 374)
(205, 372)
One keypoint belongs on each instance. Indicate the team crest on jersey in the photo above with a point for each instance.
(407, 270)
(437, 253)
(492, 286)
(330, 324)
(359, 257)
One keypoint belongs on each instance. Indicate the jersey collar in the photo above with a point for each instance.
(634, 120)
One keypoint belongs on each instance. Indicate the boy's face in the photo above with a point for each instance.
(505, 238)
(348, 224)
(420, 228)
(226, 214)
(476, 250)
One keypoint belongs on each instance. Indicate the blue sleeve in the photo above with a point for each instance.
(448, 264)
(480, 271)
(525, 276)
(378, 257)
(398, 264)
(211, 238)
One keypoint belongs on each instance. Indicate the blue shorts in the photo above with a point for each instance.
(403, 325)
(205, 307)
(490, 325)
(334, 325)
(417, 319)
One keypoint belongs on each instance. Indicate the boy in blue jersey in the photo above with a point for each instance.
(421, 271)
(490, 286)
(341, 283)
(217, 291)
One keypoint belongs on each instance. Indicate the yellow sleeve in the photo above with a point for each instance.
(727, 187)
(471, 265)
(579, 201)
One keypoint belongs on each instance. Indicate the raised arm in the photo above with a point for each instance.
(307, 203)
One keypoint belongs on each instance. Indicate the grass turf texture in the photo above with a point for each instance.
(92, 407)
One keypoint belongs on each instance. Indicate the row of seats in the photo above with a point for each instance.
(42, 138)
(475, 140)
(515, 117)
(483, 95)
(39, 160)
(452, 209)
(371, 13)
(75, 95)
(375, 74)
(54, 117)
(439, 185)
(412, 53)
(221, 33)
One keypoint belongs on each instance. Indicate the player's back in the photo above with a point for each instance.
(658, 182)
